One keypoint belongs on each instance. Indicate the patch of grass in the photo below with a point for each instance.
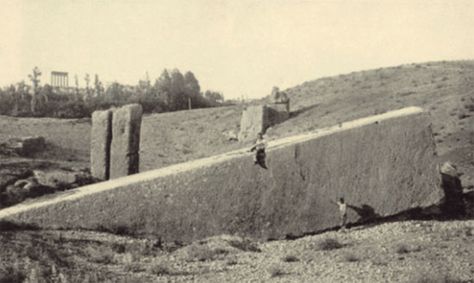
(276, 271)
(205, 253)
(403, 248)
(434, 278)
(380, 262)
(162, 269)
(463, 116)
(290, 258)
(11, 274)
(102, 255)
(351, 257)
(245, 245)
(133, 267)
(330, 244)
(469, 107)
(232, 261)
(118, 248)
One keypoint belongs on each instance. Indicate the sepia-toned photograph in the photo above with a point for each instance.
(236, 141)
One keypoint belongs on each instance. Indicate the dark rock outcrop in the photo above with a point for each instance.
(26, 146)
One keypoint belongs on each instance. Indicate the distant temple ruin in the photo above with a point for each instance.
(59, 79)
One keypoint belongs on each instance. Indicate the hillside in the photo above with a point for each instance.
(445, 89)
(404, 251)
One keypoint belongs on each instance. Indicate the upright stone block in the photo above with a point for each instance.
(101, 137)
(124, 154)
(256, 119)
(252, 122)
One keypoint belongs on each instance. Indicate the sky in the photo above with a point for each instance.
(240, 48)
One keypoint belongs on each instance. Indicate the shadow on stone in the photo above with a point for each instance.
(366, 213)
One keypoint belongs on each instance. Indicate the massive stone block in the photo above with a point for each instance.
(257, 118)
(124, 151)
(382, 165)
(101, 137)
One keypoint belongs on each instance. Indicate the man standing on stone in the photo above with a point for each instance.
(259, 147)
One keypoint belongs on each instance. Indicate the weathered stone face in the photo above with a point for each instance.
(381, 165)
(124, 151)
(252, 122)
(101, 138)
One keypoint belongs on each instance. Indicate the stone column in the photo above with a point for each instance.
(101, 137)
(124, 154)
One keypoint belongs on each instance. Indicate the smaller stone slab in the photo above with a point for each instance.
(101, 137)
(124, 153)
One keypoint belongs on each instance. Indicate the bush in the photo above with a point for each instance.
(11, 274)
(462, 116)
(204, 253)
(276, 271)
(162, 269)
(469, 107)
(290, 258)
(351, 257)
(330, 244)
(245, 245)
(133, 267)
(434, 278)
(100, 254)
(403, 248)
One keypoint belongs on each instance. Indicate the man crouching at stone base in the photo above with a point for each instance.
(260, 146)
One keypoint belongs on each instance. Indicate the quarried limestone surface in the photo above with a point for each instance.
(252, 122)
(381, 165)
(101, 137)
(124, 151)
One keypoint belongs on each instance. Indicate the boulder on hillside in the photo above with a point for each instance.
(25, 146)
(62, 179)
(9, 176)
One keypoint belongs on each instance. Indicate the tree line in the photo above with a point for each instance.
(171, 91)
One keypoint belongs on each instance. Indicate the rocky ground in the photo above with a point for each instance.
(407, 251)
